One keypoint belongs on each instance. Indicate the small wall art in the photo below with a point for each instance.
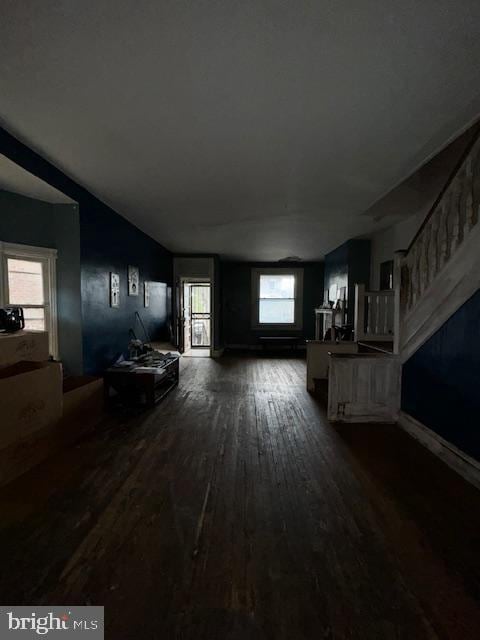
(146, 294)
(114, 290)
(133, 281)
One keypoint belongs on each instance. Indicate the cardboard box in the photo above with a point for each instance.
(31, 399)
(82, 400)
(23, 345)
(26, 453)
(82, 410)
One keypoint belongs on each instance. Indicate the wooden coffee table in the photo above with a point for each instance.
(133, 386)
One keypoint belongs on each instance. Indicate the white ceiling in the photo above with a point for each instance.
(255, 130)
(15, 179)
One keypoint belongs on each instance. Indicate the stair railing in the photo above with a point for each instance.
(374, 314)
(447, 225)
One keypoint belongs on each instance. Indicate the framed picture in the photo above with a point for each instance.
(146, 294)
(133, 281)
(114, 290)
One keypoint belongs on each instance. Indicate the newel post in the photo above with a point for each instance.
(398, 311)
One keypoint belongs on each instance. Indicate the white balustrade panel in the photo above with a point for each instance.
(363, 388)
(374, 314)
(449, 225)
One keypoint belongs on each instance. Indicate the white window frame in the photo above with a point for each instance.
(49, 259)
(297, 325)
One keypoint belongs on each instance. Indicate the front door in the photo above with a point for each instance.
(187, 321)
(179, 321)
(200, 315)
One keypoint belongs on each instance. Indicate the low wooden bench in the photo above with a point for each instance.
(292, 341)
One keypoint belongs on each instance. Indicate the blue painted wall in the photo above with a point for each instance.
(33, 222)
(108, 242)
(441, 381)
(236, 293)
(336, 267)
(346, 266)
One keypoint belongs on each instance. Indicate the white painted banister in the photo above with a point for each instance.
(374, 314)
(437, 271)
(359, 317)
(399, 302)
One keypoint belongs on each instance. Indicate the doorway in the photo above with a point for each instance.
(197, 319)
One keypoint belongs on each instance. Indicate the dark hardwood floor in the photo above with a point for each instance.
(235, 511)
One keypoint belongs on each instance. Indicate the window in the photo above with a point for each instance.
(29, 281)
(277, 296)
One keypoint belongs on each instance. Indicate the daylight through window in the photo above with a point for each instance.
(277, 299)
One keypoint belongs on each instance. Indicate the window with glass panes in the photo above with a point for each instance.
(26, 289)
(277, 299)
(277, 296)
(28, 281)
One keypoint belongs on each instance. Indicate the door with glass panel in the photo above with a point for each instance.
(200, 315)
(187, 320)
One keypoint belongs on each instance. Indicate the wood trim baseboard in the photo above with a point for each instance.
(467, 467)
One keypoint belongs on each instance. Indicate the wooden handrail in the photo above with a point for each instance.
(450, 179)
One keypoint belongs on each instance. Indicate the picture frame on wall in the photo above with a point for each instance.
(133, 280)
(146, 294)
(114, 290)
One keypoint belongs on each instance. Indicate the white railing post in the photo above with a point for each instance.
(375, 306)
(443, 236)
(433, 249)
(455, 203)
(423, 263)
(469, 213)
(386, 302)
(399, 259)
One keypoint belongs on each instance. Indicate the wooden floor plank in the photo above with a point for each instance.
(235, 510)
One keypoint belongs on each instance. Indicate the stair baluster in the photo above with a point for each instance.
(425, 274)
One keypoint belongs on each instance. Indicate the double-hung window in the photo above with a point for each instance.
(28, 280)
(277, 298)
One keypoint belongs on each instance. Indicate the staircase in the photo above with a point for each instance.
(441, 268)
(433, 278)
(436, 276)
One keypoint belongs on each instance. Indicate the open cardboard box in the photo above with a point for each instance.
(23, 345)
(82, 400)
(81, 409)
(30, 399)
